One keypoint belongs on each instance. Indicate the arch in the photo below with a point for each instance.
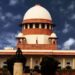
(20, 40)
(54, 42)
(24, 40)
(49, 39)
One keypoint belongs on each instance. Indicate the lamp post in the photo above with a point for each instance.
(16, 63)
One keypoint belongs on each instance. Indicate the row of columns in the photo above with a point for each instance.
(21, 40)
(18, 67)
(32, 62)
(39, 26)
(64, 63)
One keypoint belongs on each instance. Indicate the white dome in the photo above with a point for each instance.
(20, 35)
(53, 35)
(37, 12)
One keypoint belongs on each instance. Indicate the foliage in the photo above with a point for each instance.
(48, 66)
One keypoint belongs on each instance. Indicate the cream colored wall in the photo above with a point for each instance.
(32, 61)
(17, 69)
(28, 61)
(69, 60)
(42, 39)
(63, 60)
(2, 60)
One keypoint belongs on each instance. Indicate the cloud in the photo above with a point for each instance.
(71, 6)
(2, 16)
(68, 9)
(62, 9)
(72, 17)
(8, 14)
(68, 43)
(16, 17)
(9, 18)
(7, 39)
(0, 8)
(13, 2)
(7, 25)
(11, 40)
(12, 16)
(67, 28)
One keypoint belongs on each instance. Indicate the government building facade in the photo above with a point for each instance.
(37, 39)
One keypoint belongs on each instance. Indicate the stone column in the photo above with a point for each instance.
(50, 27)
(45, 26)
(40, 26)
(24, 27)
(40, 59)
(73, 63)
(18, 68)
(31, 63)
(33, 25)
(28, 26)
(63, 63)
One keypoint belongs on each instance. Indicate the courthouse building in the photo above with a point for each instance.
(38, 39)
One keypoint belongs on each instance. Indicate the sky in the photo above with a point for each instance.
(61, 11)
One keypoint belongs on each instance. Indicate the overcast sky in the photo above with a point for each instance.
(62, 12)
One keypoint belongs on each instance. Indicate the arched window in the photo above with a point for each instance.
(19, 41)
(24, 40)
(54, 41)
(49, 39)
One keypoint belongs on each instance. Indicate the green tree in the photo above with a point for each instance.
(49, 66)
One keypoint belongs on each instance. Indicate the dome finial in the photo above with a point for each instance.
(37, 5)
